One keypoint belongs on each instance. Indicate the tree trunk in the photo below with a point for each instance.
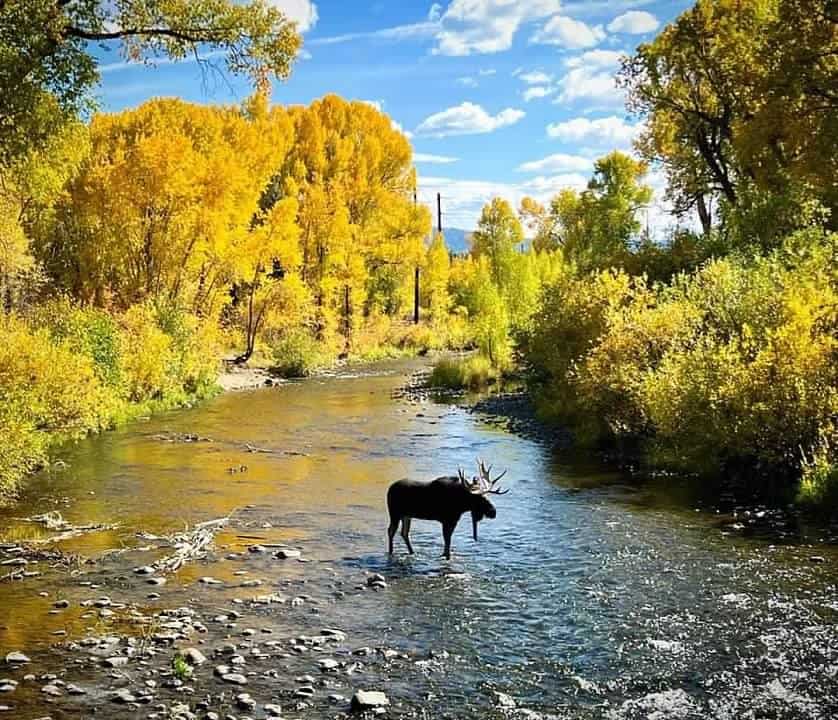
(704, 214)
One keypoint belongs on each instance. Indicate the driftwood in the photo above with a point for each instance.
(55, 522)
(267, 451)
(22, 556)
(188, 545)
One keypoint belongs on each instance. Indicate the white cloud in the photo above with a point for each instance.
(609, 131)
(548, 186)
(536, 92)
(302, 12)
(535, 78)
(467, 119)
(433, 159)
(569, 33)
(558, 163)
(591, 78)
(435, 13)
(397, 33)
(464, 199)
(488, 72)
(634, 22)
(467, 82)
(487, 26)
(596, 59)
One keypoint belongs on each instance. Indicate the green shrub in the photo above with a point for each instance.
(819, 480)
(474, 373)
(731, 369)
(48, 391)
(297, 354)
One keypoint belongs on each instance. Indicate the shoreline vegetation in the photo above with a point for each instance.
(138, 248)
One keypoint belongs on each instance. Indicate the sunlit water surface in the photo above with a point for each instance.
(585, 598)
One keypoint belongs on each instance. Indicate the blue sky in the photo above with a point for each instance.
(499, 97)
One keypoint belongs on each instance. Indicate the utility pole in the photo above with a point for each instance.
(415, 276)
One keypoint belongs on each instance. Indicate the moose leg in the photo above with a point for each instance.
(406, 534)
(391, 533)
(447, 532)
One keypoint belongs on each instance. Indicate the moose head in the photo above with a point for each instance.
(480, 487)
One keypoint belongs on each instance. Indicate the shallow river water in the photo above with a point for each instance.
(585, 598)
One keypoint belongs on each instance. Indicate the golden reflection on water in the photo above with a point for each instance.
(329, 445)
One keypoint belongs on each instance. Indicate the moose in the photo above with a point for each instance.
(445, 500)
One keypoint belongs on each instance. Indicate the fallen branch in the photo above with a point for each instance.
(190, 545)
(55, 522)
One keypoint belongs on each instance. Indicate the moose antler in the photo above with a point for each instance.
(487, 484)
(473, 485)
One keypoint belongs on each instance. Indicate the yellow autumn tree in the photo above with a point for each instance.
(159, 205)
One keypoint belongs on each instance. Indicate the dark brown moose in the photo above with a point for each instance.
(445, 500)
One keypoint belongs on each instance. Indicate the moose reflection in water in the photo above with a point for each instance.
(445, 500)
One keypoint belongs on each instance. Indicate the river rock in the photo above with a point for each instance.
(123, 697)
(368, 700)
(116, 661)
(210, 581)
(245, 702)
(376, 581)
(287, 554)
(234, 679)
(17, 658)
(328, 665)
(273, 710)
(52, 690)
(193, 656)
(61, 604)
(145, 570)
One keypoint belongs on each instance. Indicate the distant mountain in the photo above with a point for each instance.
(458, 241)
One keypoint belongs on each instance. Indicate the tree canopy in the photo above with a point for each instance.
(47, 64)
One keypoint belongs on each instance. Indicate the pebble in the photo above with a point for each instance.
(245, 702)
(234, 679)
(115, 662)
(17, 658)
(273, 710)
(328, 665)
(52, 690)
(210, 581)
(193, 656)
(368, 700)
(123, 697)
(287, 554)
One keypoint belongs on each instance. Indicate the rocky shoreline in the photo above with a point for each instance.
(183, 663)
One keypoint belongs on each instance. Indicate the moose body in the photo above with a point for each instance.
(445, 500)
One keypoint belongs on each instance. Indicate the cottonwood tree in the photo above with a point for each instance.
(739, 100)
(46, 49)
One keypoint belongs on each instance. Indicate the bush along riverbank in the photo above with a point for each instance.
(67, 371)
(731, 371)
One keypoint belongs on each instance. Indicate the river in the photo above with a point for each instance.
(587, 597)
